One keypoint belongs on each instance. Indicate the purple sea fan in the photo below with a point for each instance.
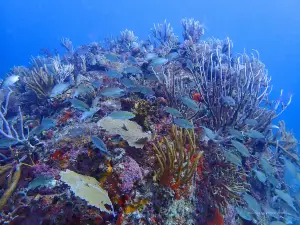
(129, 173)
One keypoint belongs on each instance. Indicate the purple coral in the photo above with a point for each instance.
(42, 169)
(129, 173)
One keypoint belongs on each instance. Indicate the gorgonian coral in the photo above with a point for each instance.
(178, 158)
(221, 182)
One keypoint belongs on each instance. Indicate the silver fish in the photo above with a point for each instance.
(11, 80)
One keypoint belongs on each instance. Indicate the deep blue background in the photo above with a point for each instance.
(270, 26)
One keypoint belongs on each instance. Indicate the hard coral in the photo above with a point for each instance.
(129, 172)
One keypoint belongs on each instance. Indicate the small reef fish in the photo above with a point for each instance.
(146, 91)
(111, 57)
(173, 112)
(97, 84)
(234, 159)
(251, 122)
(59, 89)
(113, 74)
(190, 103)
(113, 92)
(122, 115)
(98, 143)
(227, 101)
(131, 59)
(88, 114)
(209, 133)
(78, 104)
(245, 213)
(127, 82)
(81, 90)
(150, 56)
(11, 80)
(254, 134)
(241, 148)
(173, 56)
(184, 123)
(132, 70)
(260, 176)
(46, 124)
(158, 61)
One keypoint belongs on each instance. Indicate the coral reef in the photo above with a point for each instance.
(153, 131)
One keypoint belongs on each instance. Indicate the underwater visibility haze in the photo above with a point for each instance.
(112, 122)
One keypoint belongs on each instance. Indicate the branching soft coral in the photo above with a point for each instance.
(40, 82)
(286, 142)
(178, 159)
(12, 182)
(221, 182)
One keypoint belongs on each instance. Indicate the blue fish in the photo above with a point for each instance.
(98, 143)
(227, 101)
(46, 124)
(111, 57)
(127, 82)
(184, 123)
(132, 70)
(11, 80)
(190, 103)
(132, 60)
(113, 74)
(173, 112)
(59, 89)
(158, 61)
(172, 56)
(88, 114)
(254, 134)
(113, 92)
(146, 91)
(42, 181)
(123, 115)
(81, 90)
(150, 56)
(80, 105)
(134, 89)
(97, 84)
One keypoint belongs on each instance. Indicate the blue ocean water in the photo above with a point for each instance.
(270, 26)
